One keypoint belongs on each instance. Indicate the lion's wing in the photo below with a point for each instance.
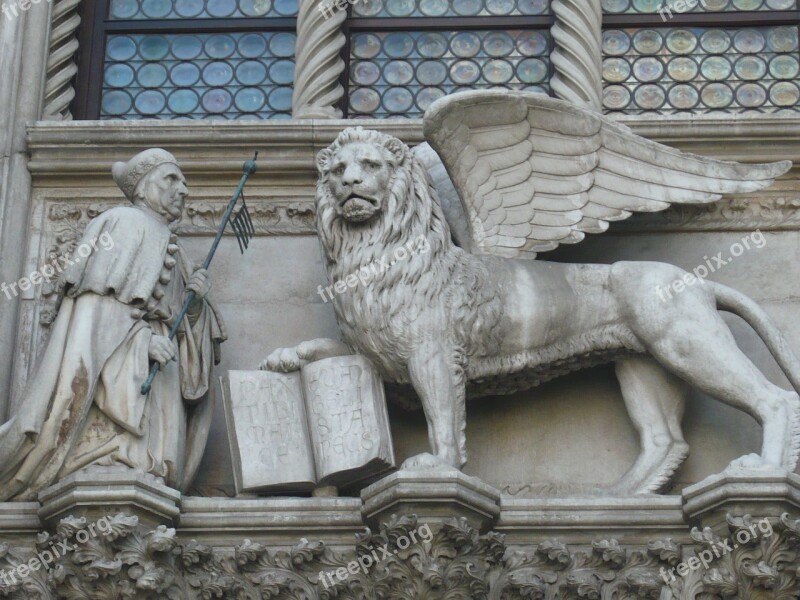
(534, 172)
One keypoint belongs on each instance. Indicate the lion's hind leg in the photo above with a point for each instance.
(655, 400)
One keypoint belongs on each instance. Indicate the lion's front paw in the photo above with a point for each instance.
(752, 461)
(426, 461)
(282, 360)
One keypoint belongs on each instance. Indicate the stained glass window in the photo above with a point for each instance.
(199, 59)
(399, 63)
(711, 55)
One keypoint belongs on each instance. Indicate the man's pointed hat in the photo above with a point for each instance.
(129, 174)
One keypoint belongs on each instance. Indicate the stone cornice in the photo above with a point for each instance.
(87, 147)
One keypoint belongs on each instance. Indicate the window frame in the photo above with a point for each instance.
(96, 27)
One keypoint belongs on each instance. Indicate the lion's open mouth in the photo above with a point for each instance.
(358, 208)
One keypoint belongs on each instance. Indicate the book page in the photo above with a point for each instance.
(268, 431)
(348, 422)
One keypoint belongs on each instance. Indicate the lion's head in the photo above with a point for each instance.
(372, 192)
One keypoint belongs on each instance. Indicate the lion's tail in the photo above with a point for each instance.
(737, 303)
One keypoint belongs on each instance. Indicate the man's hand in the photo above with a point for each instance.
(199, 283)
(162, 349)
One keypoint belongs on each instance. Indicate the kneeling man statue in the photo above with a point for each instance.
(84, 406)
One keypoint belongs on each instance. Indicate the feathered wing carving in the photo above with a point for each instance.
(534, 172)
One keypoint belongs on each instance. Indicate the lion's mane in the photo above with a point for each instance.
(444, 279)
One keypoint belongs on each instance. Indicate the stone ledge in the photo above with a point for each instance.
(276, 520)
(434, 496)
(634, 519)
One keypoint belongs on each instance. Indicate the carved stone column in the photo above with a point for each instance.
(318, 62)
(61, 67)
(577, 57)
(23, 52)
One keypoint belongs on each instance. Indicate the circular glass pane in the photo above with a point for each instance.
(783, 39)
(716, 68)
(717, 95)
(250, 99)
(152, 75)
(156, 9)
(747, 4)
(500, 7)
(398, 72)
(784, 67)
(751, 95)
(650, 97)
(120, 47)
(183, 101)
(153, 47)
(749, 41)
(498, 43)
(217, 101)
(217, 73)
(398, 45)
(616, 97)
(616, 42)
(366, 45)
(648, 69)
(647, 6)
(285, 8)
(119, 75)
(533, 7)
(682, 69)
(220, 46)
(397, 100)
(431, 45)
(532, 70)
(365, 100)
(250, 72)
(427, 96)
(465, 44)
(184, 74)
(281, 99)
(255, 8)
(116, 102)
(282, 44)
(715, 41)
(221, 8)
(368, 8)
(647, 41)
(400, 8)
(616, 70)
(683, 96)
(466, 8)
(784, 93)
(431, 72)
(681, 41)
(150, 102)
(615, 6)
(498, 71)
(186, 47)
(252, 45)
(433, 8)
(465, 72)
(282, 72)
(750, 68)
(189, 8)
(124, 9)
(532, 43)
(781, 4)
(365, 72)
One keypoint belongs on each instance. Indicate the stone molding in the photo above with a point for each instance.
(318, 62)
(577, 56)
(61, 65)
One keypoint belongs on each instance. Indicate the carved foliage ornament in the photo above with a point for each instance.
(451, 561)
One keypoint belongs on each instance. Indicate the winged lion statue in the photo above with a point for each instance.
(480, 317)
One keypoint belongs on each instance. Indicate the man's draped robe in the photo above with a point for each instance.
(83, 404)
